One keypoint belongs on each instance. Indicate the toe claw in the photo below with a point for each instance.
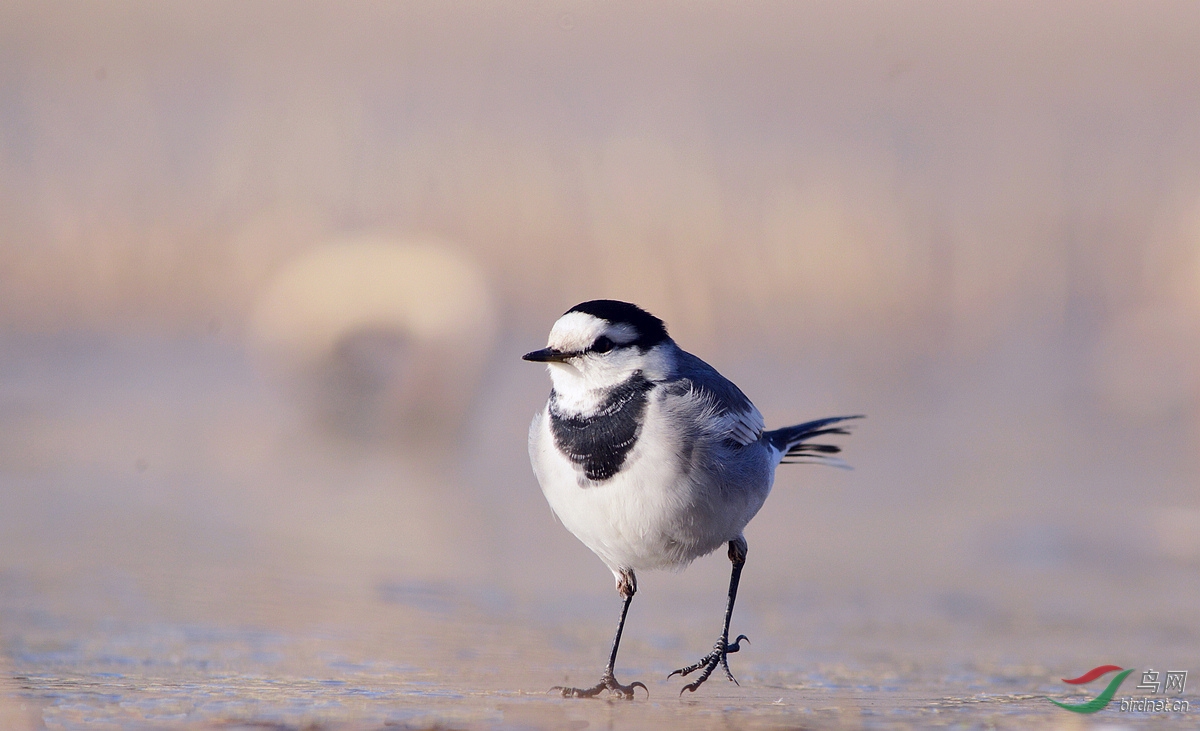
(736, 645)
(683, 672)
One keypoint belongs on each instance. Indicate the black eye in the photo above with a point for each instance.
(602, 345)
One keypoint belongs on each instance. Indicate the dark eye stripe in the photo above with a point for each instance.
(602, 345)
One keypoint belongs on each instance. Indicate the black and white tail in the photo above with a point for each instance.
(792, 441)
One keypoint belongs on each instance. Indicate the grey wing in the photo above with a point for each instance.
(734, 416)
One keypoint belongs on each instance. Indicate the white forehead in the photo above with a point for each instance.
(576, 331)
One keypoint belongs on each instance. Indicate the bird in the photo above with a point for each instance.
(652, 459)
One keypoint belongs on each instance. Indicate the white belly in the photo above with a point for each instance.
(652, 514)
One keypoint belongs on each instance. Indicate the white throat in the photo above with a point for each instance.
(583, 383)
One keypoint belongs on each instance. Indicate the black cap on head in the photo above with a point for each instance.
(651, 330)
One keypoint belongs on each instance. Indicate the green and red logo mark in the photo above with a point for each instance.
(1101, 700)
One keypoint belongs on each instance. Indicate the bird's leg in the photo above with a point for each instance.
(722, 648)
(626, 587)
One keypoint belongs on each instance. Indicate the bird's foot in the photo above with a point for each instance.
(608, 682)
(719, 655)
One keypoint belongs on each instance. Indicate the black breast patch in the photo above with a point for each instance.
(599, 443)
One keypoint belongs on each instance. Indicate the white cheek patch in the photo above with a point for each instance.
(583, 383)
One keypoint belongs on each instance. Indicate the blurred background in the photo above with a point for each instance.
(267, 269)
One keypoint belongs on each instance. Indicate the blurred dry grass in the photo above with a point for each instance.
(848, 171)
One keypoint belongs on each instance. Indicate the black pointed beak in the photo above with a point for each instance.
(547, 355)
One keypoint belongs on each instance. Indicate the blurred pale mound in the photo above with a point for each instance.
(379, 336)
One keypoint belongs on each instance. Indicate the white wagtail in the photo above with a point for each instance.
(652, 458)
